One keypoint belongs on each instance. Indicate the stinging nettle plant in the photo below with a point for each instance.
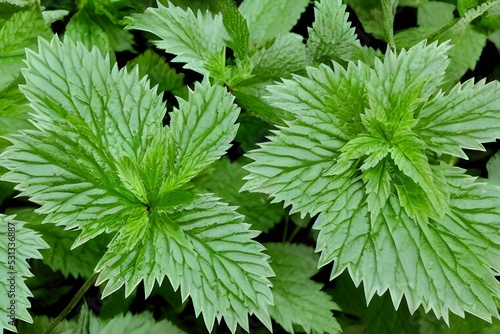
(364, 141)
(100, 161)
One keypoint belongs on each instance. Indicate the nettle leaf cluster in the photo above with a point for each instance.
(366, 142)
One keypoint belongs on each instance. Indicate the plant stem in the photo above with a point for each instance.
(294, 233)
(72, 303)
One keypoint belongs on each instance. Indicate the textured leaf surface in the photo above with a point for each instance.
(298, 300)
(285, 56)
(378, 316)
(17, 244)
(20, 30)
(110, 167)
(83, 28)
(464, 118)
(79, 262)
(225, 179)
(159, 73)
(193, 38)
(331, 35)
(377, 17)
(267, 18)
(363, 150)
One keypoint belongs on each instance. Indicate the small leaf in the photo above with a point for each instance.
(298, 300)
(18, 244)
(331, 35)
(236, 26)
(267, 19)
(193, 38)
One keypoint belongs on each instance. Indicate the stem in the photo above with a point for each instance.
(285, 232)
(294, 233)
(72, 303)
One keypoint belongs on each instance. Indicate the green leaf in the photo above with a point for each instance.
(458, 249)
(236, 26)
(379, 316)
(377, 17)
(201, 130)
(363, 153)
(83, 28)
(87, 322)
(468, 46)
(79, 262)
(285, 56)
(291, 166)
(493, 168)
(193, 38)
(225, 179)
(110, 167)
(464, 5)
(20, 30)
(18, 244)
(331, 35)
(159, 73)
(435, 14)
(298, 300)
(463, 118)
(267, 19)
(250, 96)
(210, 256)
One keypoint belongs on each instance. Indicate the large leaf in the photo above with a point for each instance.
(17, 244)
(110, 167)
(364, 152)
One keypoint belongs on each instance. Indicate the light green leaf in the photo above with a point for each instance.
(110, 167)
(397, 254)
(250, 97)
(159, 73)
(201, 130)
(18, 244)
(435, 14)
(291, 166)
(463, 118)
(236, 26)
(193, 38)
(51, 16)
(225, 179)
(286, 55)
(331, 35)
(210, 256)
(267, 19)
(82, 28)
(468, 45)
(464, 5)
(87, 322)
(19, 31)
(390, 212)
(493, 168)
(379, 316)
(377, 17)
(79, 262)
(298, 300)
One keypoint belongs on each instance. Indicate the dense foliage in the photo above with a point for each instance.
(193, 166)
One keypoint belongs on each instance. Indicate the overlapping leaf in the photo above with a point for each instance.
(359, 152)
(299, 301)
(17, 244)
(193, 38)
(100, 161)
